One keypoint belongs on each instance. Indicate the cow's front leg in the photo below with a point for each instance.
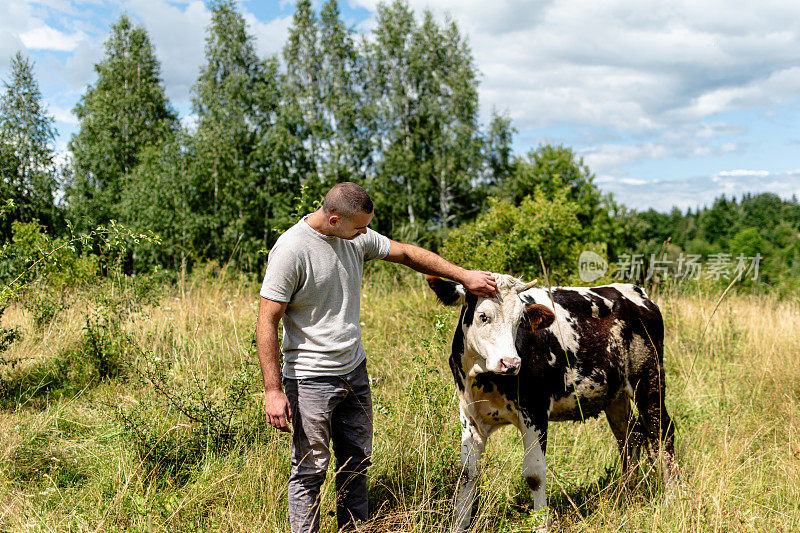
(473, 442)
(534, 468)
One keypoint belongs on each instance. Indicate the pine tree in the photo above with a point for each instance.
(125, 111)
(26, 154)
(241, 139)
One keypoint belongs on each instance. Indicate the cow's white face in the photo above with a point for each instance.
(489, 325)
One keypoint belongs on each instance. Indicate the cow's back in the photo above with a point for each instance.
(603, 341)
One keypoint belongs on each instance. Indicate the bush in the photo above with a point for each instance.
(511, 239)
(175, 428)
(8, 336)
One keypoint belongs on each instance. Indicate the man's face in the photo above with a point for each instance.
(350, 228)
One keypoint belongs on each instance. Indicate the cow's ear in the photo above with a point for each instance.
(448, 292)
(537, 316)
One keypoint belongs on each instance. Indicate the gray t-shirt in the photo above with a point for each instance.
(320, 278)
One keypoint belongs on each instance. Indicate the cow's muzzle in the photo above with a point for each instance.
(509, 365)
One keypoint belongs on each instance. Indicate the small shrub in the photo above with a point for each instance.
(105, 345)
(22, 382)
(175, 428)
(101, 354)
(44, 303)
(8, 336)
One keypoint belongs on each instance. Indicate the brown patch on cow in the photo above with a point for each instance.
(537, 316)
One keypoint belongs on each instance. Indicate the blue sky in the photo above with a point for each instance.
(669, 102)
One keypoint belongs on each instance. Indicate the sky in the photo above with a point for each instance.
(670, 103)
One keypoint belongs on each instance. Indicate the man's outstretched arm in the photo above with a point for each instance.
(427, 262)
(276, 404)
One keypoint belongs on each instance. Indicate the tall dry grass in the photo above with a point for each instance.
(70, 464)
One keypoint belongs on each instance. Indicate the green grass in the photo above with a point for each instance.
(109, 452)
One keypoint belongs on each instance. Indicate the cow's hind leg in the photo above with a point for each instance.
(473, 444)
(659, 429)
(534, 468)
(628, 431)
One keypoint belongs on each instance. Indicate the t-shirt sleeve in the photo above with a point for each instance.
(283, 274)
(375, 245)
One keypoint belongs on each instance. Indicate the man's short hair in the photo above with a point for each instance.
(347, 199)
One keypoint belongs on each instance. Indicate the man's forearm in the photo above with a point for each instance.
(269, 354)
(427, 262)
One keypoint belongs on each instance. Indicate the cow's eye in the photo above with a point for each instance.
(483, 317)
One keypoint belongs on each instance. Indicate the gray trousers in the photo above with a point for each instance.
(337, 408)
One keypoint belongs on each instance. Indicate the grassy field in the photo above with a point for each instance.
(121, 417)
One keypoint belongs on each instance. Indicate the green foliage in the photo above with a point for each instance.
(122, 113)
(26, 151)
(105, 345)
(8, 336)
(755, 224)
(499, 155)
(323, 94)
(34, 260)
(203, 419)
(511, 239)
(423, 87)
(748, 242)
(551, 169)
(239, 180)
(44, 303)
(157, 199)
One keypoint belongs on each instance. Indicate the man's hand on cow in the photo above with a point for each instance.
(480, 283)
(276, 406)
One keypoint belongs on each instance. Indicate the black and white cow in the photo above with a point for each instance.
(523, 358)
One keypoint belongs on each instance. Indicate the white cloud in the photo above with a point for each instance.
(611, 157)
(738, 173)
(270, 36)
(10, 43)
(47, 38)
(178, 34)
(63, 115)
(632, 181)
(642, 65)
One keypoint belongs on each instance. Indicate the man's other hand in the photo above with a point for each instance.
(276, 406)
(480, 283)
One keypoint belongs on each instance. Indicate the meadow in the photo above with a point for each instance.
(128, 408)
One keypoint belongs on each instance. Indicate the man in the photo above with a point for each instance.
(313, 283)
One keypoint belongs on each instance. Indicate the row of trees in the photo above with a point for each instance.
(761, 224)
(396, 111)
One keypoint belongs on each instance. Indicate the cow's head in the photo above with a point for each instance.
(489, 325)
